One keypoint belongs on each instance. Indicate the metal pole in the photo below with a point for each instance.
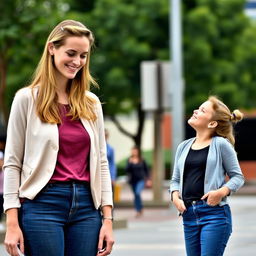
(158, 166)
(176, 80)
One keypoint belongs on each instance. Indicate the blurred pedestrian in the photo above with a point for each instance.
(138, 175)
(111, 160)
(199, 188)
(57, 187)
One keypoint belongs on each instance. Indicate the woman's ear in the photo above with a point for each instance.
(51, 48)
(213, 124)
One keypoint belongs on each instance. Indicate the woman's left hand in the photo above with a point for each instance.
(106, 239)
(213, 197)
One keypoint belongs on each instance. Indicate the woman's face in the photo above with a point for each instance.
(202, 116)
(134, 152)
(70, 57)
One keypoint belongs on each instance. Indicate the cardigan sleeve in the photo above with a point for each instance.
(231, 166)
(175, 180)
(14, 151)
(106, 192)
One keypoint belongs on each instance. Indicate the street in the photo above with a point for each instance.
(159, 232)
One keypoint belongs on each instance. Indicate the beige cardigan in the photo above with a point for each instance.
(32, 148)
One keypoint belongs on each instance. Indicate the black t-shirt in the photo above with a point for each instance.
(194, 173)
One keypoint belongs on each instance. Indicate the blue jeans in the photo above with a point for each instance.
(61, 220)
(206, 229)
(137, 189)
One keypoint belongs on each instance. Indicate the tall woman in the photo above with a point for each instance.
(199, 188)
(57, 191)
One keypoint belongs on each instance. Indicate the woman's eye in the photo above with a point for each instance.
(83, 56)
(70, 54)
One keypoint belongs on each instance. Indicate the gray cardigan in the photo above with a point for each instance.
(221, 161)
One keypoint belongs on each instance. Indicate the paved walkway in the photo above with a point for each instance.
(159, 232)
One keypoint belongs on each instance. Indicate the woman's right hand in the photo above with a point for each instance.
(179, 204)
(13, 239)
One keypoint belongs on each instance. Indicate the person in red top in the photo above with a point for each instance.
(57, 192)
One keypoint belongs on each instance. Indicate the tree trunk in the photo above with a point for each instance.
(135, 137)
(3, 76)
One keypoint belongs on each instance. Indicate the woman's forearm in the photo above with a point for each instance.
(12, 217)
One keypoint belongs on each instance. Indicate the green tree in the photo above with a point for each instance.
(127, 32)
(24, 27)
(219, 53)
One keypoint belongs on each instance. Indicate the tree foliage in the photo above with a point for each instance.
(218, 42)
(127, 32)
(24, 27)
(219, 53)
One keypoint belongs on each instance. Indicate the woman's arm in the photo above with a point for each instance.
(14, 150)
(232, 167)
(106, 239)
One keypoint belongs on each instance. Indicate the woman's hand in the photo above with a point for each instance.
(214, 197)
(13, 239)
(106, 239)
(179, 203)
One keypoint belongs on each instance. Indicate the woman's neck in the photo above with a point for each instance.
(62, 93)
(202, 140)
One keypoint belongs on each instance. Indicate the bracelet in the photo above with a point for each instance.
(108, 218)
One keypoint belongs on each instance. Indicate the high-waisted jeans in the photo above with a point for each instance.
(206, 229)
(61, 220)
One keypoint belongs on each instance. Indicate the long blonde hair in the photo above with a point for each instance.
(225, 118)
(81, 105)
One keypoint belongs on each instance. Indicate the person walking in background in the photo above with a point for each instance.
(57, 186)
(111, 161)
(138, 174)
(2, 147)
(198, 188)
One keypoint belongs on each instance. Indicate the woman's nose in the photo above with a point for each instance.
(76, 61)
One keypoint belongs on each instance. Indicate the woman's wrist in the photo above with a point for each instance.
(109, 218)
(175, 195)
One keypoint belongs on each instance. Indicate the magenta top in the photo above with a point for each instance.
(74, 150)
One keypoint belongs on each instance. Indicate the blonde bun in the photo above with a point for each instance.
(236, 116)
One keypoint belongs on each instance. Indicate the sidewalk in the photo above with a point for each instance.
(159, 232)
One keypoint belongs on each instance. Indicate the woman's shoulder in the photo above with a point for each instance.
(223, 143)
(185, 142)
(183, 145)
(92, 96)
(25, 94)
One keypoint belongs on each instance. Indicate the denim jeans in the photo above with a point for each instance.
(61, 220)
(206, 229)
(137, 189)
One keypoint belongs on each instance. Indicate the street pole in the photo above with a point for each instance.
(158, 166)
(177, 76)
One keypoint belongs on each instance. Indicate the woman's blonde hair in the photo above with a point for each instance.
(81, 105)
(225, 118)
